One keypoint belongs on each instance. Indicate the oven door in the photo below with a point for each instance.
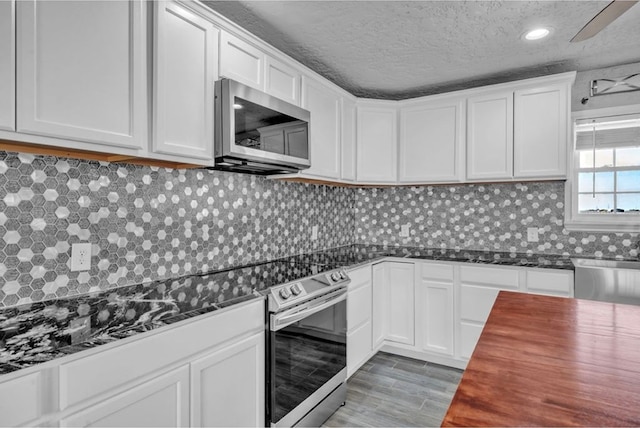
(308, 357)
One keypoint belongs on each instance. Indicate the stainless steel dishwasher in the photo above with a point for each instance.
(607, 280)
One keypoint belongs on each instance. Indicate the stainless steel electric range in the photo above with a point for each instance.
(307, 349)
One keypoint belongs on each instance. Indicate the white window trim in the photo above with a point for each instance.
(573, 220)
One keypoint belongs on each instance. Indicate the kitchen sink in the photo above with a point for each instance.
(610, 264)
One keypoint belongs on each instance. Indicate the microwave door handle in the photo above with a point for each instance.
(280, 322)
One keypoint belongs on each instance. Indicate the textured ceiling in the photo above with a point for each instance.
(403, 49)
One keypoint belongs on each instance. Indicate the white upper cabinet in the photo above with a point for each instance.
(377, 142)
(241, 61)
(348, 140)
(185, 66)
(541, 123)
(7, 65)
(81, 71)
(490, 136)
(282, 81)
(324, 132)
(432, 141)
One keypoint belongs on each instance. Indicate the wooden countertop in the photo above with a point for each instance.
(551, 361)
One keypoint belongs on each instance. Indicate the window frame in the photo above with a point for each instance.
(589, 222)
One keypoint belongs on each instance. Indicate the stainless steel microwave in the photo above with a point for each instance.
(257, 133)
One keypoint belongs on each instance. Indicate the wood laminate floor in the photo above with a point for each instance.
(392, 391)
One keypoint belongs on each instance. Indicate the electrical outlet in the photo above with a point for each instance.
(314, 232)
(532, 234)
(79, 329)
(404, 230)
(80, 257)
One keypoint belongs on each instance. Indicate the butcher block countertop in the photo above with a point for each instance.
(550, 361)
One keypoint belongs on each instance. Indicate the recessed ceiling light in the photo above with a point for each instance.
(537, 34)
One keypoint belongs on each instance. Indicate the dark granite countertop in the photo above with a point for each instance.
(40, 332)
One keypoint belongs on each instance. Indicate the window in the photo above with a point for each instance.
(603, 191)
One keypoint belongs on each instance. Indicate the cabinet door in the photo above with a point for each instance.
(227, 387)
(541, 121)
(376, 145)
(7, 65)
(434, 308)
(431, 142)
(241, 61)
(186, 51)
(401, 303)
(160, 402)
(348, 140)
(81, 71)
(490, 136)
(380, 304)
(359, 319)
(324, 133)
(282, 81)
(21, 399)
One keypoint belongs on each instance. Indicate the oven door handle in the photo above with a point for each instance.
(280, 321)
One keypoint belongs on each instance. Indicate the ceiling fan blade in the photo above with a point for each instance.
(604, 18)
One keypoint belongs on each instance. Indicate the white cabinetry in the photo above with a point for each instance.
(479, 287)
(239, 368)
(377, 142)
(282, 81)
(22, 400)
(241, 61)
(348, 139)
(160, 402)
(393, 303)
(434, 308)
(519, 130)
(541, 131)
(7, 65)
(186, 374)
(432, 140)
(359, 335)
(551, 282)
(490, 136)
(185, 67)
(324, 132)
(81, 71)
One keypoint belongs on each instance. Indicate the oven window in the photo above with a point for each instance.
(306, 355)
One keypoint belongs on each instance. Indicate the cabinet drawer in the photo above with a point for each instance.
(551, 282)
(436, 271)
(21, 400)
(502, 278)
(359, 277)
(103, 371)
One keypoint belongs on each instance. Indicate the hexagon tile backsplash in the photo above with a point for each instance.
(481, 217)
(149, 223)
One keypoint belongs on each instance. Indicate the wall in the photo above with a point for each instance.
(481, 217)
(582, 85)
(149, 223)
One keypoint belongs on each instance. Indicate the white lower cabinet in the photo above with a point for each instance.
(161, 402)
(434, 308)
(227, 387)
(207, 371)
(401, 302)
(359, 338)
(551, 282)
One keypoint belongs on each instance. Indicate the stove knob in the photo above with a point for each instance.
(335, 276)
(343, 275)
(295, 289)
(284, 293)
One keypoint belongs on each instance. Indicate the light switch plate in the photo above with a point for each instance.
(532, 234)
(404, 230)
(80, 257)
(314, 232)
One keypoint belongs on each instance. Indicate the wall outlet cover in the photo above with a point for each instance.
(80, 257)
(532, 234)
(314, 232)
(404, 230)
